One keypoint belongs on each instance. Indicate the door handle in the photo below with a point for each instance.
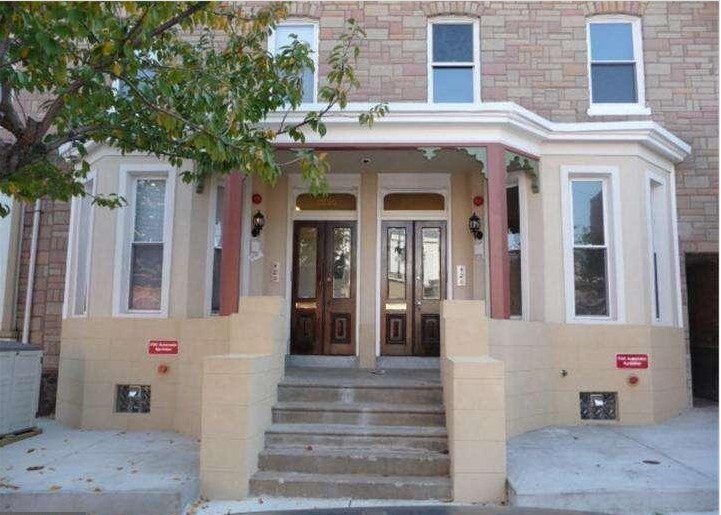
(418, 303)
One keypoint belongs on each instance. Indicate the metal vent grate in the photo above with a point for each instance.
(132, 398)
(599, 405)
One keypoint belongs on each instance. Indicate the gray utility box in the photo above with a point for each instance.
(20, 368)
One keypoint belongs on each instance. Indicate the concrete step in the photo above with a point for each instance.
(296, 484)
(350, 394)
(432, 438)
(377, 414)
(369, 460)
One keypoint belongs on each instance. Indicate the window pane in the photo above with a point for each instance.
(341, 262)
(514, 271)
(587, 212)
(613, 83)
(330, 202)
(307, 262)
(513, 211)
(431, 248)
(396, 263)
(218, 224)
(453, 84)
(149, 210)
(146, 276)
(215, 293)
(611, 42)
(453, 42)
(414, 202)
(591, 290)
(305, 34)
(81, 251)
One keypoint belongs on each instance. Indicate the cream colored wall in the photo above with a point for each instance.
(368, 332)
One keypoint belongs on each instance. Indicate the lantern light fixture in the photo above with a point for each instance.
(258, 224)
(474, 226)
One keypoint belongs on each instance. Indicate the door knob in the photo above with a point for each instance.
(418, 303)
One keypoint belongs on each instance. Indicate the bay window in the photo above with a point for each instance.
(79, 252)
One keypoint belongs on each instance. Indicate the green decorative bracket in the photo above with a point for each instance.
(429, 152)
(479, 154)
(516, 163)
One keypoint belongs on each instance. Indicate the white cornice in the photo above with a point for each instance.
(421, 123)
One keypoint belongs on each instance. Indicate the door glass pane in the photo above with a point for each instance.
(307, 262)
(341, 262)
(613, 83)
(514, 249)
(590, 281)
(396, 263)
(611, 42)
(146, 276)
(452, 42)
(587, 212)
(453, 84)
(149, 210)
(431, 248)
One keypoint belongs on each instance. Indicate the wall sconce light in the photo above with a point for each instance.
(258, 223)
(474, 225)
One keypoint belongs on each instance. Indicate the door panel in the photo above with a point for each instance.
(430, 263)
(413, 283)
(397, 288)
(323, 285)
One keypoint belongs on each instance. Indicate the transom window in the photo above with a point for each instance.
(453, 55)
(305, 33)
(615, 64)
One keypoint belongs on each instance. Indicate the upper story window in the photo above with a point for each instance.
(453, 57)
(616, 66)
(305, 32)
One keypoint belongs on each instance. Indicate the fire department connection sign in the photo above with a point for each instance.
(165, 347)
(631, 360)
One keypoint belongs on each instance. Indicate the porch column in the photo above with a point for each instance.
(230, 255)
(498, 233)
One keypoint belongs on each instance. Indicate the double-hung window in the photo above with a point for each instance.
(145, 248)
(453, 57)
(616, 66)
(79, 252)
(307, 33)
(592, 244)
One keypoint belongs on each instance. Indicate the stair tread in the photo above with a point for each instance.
(356, 452)
(360, 378)
(356, 430)
(368, 407)
(273, 475)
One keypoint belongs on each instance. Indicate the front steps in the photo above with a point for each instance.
(351, 433)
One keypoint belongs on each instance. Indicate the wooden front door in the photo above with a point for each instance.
(324, 288)
(413, 284)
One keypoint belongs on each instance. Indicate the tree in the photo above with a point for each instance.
(189, 82)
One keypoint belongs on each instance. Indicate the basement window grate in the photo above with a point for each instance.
(132, 398)
(599, 405)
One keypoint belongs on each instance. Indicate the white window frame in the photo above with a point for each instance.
(667, 277)
(215, 184)
(314, 49)
(476, 63)
(608, 175)
(129, 175)
(71, 274)
(630, 108)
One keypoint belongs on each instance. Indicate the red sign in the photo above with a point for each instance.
(163, 347)
(631, 360)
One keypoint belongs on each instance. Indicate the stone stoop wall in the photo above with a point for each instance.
(475, 403)
(99, 353)
(239, 391)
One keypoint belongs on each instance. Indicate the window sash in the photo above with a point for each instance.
(605, 247)
(637, 62)
(309, 93)
(470, 65)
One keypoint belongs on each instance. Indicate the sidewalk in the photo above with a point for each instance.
(659, 469)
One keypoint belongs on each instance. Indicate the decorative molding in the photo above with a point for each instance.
(479, 154)
(630, 8)
(431, 9)
(429, 152)
(517, 163)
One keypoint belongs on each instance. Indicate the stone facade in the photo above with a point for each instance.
(533, 54)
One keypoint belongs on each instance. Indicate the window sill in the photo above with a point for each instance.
(618, 110)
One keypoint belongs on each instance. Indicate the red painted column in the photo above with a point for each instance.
(231, 234)
(498, 233)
